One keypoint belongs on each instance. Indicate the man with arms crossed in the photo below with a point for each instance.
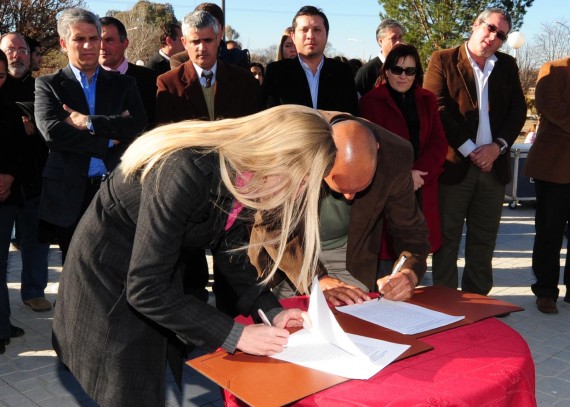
(88, 117)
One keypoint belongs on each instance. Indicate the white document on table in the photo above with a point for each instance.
(326, 347)
(408, 319)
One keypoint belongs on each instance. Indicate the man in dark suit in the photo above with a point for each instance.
(114, 43)
(548, 163)
(310, 79)
(389, 33)
(171, 43)
(205, 88)
(19, 90)
(88, 117)
(483, 109)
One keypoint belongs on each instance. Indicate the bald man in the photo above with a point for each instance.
(369, 184)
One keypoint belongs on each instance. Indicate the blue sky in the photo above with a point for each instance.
(352, 23)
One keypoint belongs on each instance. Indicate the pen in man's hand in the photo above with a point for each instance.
(263, 317)
(395, 270)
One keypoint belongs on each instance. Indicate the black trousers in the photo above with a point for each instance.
(64, 234)
(196, 277)
(552, 215)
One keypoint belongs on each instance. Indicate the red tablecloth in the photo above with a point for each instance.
(483, 364)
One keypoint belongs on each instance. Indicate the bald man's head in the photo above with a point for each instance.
(355, 163)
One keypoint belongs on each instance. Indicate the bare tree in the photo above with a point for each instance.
(35, 18)
(264, 55)
(553, 42)
(143, 35)
(231, 34)
(528, 71)
(143, 23)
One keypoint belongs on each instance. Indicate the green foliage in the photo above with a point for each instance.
(157, 14)
(432, 25)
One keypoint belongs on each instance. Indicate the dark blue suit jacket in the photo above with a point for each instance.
(119, 115)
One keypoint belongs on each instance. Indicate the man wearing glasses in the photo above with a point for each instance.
(19, 88)
(483, 109)
(16, 49)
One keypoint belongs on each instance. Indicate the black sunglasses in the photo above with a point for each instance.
(398, 70)
(493, 29)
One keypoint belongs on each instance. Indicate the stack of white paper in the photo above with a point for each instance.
(399, 316)
(326, 347)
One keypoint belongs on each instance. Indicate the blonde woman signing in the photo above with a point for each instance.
(179, 186)
(400, 104)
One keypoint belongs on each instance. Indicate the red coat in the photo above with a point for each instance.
(379, 107)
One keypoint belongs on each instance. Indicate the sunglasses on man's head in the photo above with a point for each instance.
(398, 70)
(494, 29)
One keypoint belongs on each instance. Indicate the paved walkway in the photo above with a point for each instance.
(31, 376)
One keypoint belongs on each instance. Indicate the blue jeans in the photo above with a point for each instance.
(34, 255)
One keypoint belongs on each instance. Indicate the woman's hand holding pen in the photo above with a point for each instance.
(263, 340)
(268, 339)
(399, 287)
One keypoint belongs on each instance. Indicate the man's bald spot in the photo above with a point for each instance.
(355, 163)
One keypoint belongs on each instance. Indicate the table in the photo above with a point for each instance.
(486, 363)
(520, 188)
(483, 364)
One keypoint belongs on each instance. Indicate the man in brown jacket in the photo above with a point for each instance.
(483, 109)
(548, 162)
(369, 184)
(205, 88)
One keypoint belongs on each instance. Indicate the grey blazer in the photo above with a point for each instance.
(121, 293)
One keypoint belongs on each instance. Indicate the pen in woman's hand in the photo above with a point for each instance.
(395, 270)
(263, 317)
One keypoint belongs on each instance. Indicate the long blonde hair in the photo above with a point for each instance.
(285, 150)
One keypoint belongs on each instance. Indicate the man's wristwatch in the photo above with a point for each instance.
(502, 147)
(88, 123)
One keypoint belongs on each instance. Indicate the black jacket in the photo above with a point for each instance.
(285, 82)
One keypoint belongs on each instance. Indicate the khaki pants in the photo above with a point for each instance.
(477, 201)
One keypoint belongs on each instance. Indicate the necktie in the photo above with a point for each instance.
(208, 75)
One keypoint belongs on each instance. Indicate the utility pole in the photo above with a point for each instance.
(225, 18)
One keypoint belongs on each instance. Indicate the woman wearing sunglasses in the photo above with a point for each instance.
(400, 104)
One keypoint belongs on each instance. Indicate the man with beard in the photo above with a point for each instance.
(311, 79)
(19, 89)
